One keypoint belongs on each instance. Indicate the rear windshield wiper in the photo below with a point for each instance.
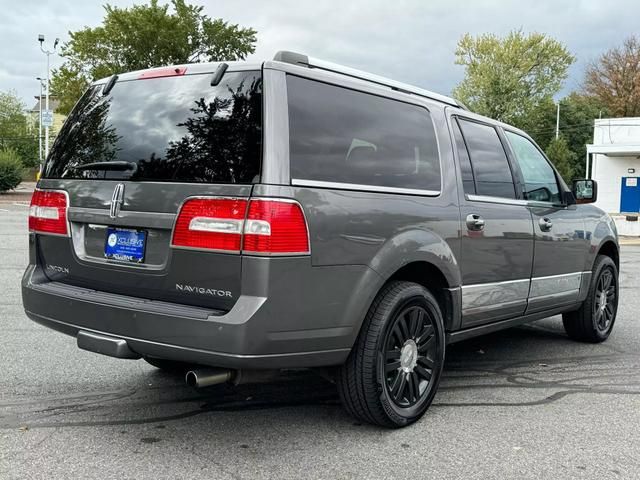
(116, 165)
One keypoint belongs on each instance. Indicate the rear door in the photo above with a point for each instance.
(559, 230)
(496, 231)
(129, 160)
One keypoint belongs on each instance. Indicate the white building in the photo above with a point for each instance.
(615, 165)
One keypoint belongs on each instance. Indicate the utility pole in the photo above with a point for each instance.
(40, 124)
(558, 121)
(48, 53)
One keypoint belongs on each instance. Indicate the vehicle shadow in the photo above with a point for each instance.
(523, 366)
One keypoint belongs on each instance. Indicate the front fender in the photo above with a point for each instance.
(600, 229)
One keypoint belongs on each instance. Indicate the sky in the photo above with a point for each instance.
(409, 41)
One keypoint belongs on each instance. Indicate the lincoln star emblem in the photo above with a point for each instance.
(116, 200)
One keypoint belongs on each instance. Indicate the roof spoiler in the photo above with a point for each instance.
(309, 62)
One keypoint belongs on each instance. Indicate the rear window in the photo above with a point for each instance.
(176, 128)
(343, 136)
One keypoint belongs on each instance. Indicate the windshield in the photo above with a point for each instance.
(177, 129)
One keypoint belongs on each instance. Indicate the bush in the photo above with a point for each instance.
(10, 169)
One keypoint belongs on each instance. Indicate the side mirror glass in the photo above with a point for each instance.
(585, 191)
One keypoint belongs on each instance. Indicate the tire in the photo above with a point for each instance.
(594, 320)
(170, 366)
(402, 337)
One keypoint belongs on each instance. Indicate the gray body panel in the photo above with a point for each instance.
(305, 311)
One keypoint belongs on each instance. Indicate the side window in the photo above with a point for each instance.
(344, 136)
(488, 159)
(465, 162)
(540, 181)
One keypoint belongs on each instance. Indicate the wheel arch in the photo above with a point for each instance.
(611, 250)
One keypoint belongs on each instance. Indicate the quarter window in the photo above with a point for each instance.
(540, 181)
(488, 159)
(465, 162)
(345, 136)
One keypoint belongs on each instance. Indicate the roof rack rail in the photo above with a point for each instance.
(310, 62)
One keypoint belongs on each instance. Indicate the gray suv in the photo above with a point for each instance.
(231, 219)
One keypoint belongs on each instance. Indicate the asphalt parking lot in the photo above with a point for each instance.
(523, 403)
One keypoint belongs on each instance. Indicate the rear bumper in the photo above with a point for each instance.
(260, 331)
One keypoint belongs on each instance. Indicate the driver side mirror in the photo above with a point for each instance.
(585, 191)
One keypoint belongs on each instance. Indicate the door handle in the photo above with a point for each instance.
(545, 224)
(475, 222)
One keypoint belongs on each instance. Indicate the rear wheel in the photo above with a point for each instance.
(170, 366)
(594, 320)
(393, 371)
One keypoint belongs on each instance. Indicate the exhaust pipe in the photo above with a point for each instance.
(205, 377)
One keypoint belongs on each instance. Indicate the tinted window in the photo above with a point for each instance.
(490, 165)
(170, 129)
(340, 135)
(465, 163)
(539, 178)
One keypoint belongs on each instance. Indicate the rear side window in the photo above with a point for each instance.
(344, 136)
(465, 161)
(489, 161)
(176, 128)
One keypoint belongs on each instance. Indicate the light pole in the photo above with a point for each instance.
(40, 123)
(48, 54)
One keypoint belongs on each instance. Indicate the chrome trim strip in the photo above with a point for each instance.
(367, 188)
(500, 200)
(555, 284)
(494, 294)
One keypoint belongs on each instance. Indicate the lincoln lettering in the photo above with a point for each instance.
(202, 290)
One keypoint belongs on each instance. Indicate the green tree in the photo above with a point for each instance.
(507, 78)
(562, 157)
(16, 132)
(145, 36)
(10, 169)
(577, 113)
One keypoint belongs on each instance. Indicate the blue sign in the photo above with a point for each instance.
(126, 245)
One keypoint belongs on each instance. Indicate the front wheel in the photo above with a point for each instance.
(594, 320)
(393, 371)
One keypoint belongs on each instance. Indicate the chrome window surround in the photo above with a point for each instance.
(354, 186)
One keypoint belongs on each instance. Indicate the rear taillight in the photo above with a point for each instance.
(211, 224)
(48, 212)
(275, 227)
(258, 226)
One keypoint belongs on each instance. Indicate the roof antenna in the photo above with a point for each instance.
(219, 73)
(109, 85)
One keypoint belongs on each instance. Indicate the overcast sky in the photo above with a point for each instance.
(411, 41)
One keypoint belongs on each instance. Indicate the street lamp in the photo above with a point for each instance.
(48, 54)
(40, 79)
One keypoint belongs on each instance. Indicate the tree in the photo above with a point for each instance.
(16, 132)
(562, 157)
(577, 113)
(10, 169)
(507, 78)
(615, 79)
(145, 36)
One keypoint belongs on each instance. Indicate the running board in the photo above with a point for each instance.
(467, 333)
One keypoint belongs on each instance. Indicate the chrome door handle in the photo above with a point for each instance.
(545, 224)
(475, 222)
